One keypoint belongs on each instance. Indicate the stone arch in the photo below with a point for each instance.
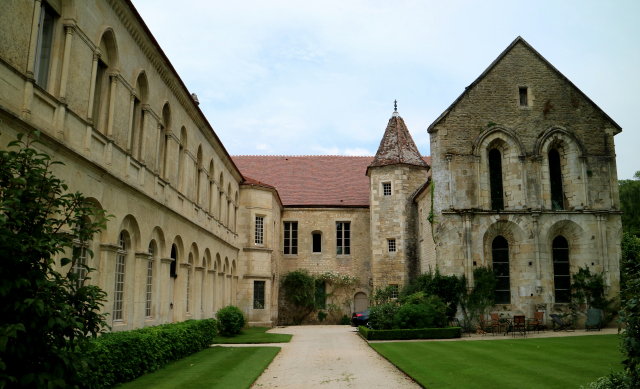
(108, 46)
(494, 132)
(206, 259)
(212, 184)
(195, 252)
(158, 235)
(233, 268)
(218, 263)
(101, 236)
(512, 232)
(512, 152)
(182, 156)
(141, 87)
(579, 241)
(573, 168)
(179, 245)
(130, 224)
(198, 176)
(227, 268)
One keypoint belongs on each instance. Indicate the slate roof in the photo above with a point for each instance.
(397, 146)
(312, 180)
(519, 39)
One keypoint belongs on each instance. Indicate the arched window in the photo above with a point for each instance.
(174, 256)
(102, 87)
(204, 264)
(142, 97)
(118, 290)
(495, 179)
(555, 178)
(189, 279)
(211, 187)
(198, 195)
(221, 183)
(229, 206)
(500, 253)
(152, 251)
(561, 270)
(162, 152)
(182, 147)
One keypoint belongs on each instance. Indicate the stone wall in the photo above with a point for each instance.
(394, 217)
(151, 210)
(489, 115)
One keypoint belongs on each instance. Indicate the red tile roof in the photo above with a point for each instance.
(311, 180)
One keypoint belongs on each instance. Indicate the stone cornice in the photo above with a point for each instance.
(257, 249)
(166, 260)
(109, 247)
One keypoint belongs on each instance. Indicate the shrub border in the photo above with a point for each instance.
(424, 333)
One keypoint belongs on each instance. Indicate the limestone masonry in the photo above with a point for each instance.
(521, 177)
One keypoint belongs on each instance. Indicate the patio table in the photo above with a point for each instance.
(509, 322)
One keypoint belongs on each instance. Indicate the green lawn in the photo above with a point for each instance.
(507, 363)
(254, 335)
(216, 367)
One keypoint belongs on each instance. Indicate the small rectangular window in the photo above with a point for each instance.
(394, 291)
(291, 238)
(44, 46)
(386, 188)
(523, 97)
(259, 236)
(317, 242)
(392, 245)
(258, 294)
(343, 238)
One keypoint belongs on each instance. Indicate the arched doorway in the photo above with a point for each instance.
(360, 302)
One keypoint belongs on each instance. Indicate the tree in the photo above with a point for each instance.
(630, 204)
(46, 317)
(299, 289)
(630, 313)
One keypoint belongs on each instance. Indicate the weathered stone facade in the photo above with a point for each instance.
(194, 232)
(555, 115)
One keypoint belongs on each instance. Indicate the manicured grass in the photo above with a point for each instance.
(216, 367)
(507, 363)
(253, 335)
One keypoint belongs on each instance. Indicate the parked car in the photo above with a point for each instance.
(360, 318)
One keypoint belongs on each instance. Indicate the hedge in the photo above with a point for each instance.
(424, 333)
(120, 357)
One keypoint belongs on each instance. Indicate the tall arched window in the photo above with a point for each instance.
(181, 158)
(561, 270)
(229, 206)
(102, 87)
(152, 251)
(555, 178)
(211, 187)
(162, 144)
(204, 264)
(495, 179)
(189, 280)
(198, 195)
(118, 290)
(172, 267)
(500, 253)
(137, 120)
(221, 182)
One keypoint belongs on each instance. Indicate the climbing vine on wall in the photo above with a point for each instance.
(342, 285)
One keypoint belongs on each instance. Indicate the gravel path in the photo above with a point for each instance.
(329, 357)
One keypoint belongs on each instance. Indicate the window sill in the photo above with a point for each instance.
(290, 256)
(343, 255)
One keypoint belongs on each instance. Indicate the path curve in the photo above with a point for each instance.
(329, 357)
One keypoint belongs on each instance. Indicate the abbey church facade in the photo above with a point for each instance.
(521, 177)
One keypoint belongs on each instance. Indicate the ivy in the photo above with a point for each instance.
(431, 218)
(630, 313)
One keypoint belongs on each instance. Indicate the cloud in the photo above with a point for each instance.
(309, 77)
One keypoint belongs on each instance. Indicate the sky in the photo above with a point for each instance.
(320, 77)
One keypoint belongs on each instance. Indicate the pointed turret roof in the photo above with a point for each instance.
(397, 146)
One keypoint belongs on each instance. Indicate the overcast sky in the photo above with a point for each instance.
(320, 77)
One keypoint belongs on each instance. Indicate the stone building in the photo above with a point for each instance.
(520, 159)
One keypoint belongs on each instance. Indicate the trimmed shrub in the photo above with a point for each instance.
(421, 312)
(345, 320)
(381, 316)
(423, 333)
(230, 320)
(119, 357)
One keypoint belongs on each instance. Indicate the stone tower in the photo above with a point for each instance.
(397, 171)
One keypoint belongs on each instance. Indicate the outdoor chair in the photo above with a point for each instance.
(593, 319)
(561, 324)
(536, 323)
(519, 325)
(495, 318)
(456, 323)
(486, 325)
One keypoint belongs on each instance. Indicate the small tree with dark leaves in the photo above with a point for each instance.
(47, 317)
